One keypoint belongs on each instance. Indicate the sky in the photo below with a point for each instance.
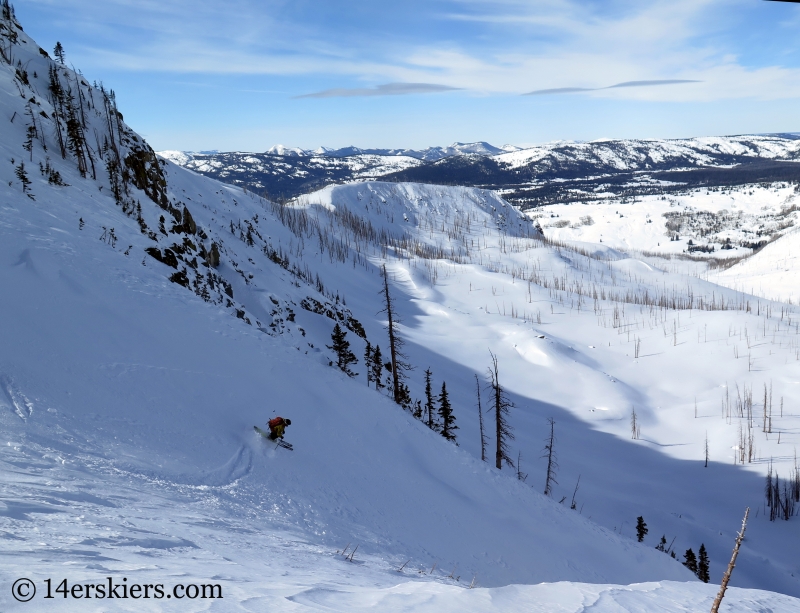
(244, 75)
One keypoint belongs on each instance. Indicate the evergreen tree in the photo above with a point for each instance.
(446, 413)
(22, 175)
(503, 432)
(641, 529)
(59, 52)
(377, 367)
(57, 102)
(8, 10)
(30, 134)
(662, 544)
(403, 397)
(690, 561)
(368, 362)
(703, 565)
(430, 406)
(75, 136)
(341, 347)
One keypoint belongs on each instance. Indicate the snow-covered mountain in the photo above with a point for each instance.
(151, 316)
(289, 174)
(427, 154)
(529, 177)
(285, 172)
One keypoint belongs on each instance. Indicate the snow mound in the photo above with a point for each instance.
(772, 273)
(414, 207)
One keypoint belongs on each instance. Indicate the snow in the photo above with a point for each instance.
(127, 404)
(181, 158)
(748, 214)
(773, 272)
(280, 150)
(630, 154)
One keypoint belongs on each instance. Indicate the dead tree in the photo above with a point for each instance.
(550, 454)
(502, 404)
(635, 432)
(388, 308)
(575, 493)
(521, 476)
(727, 576)
(399, 365)
(480, 420)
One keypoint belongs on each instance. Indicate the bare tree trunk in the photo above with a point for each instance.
(498, 456)
(480, 420)
(392, 347)
(501, 407)
(727, 576)
(549, 449)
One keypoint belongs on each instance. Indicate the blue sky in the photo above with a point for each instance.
(248, 74)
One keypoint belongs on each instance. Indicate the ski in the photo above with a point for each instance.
(278, 442)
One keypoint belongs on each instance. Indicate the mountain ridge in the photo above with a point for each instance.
(528, 177)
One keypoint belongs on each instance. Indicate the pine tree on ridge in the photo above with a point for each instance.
(341, 347)
(448, 420)
(703, 564)
(430, 406)
(690, 560)
(641, 529)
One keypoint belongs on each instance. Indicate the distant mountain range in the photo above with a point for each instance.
(430, 154)
(532, 176)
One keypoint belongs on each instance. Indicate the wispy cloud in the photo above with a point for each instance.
(495, 47)
(575, 90)
(387, 89)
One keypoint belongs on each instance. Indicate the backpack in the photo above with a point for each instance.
(275, 422)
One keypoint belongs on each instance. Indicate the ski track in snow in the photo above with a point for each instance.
(21, 405)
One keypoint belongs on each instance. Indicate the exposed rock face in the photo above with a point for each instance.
(213, 256)
(145, 173)
(189, 225)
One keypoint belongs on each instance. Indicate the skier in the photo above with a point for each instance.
(277, 426)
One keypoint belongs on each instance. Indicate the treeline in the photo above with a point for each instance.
(782, 497)
(698, 564)
(391, 373)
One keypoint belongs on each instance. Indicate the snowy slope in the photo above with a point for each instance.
(773, 272)
(134, 366)
(737, 218)
(122, 390)
(574, 357)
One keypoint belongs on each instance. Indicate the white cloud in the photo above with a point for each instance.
(520, 46)
(388, 89)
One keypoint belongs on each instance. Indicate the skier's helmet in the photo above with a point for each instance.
(288, 422)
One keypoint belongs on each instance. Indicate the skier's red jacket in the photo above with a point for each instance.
(277, 425)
